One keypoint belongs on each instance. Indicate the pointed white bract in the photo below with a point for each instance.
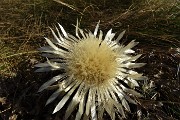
(92, 70)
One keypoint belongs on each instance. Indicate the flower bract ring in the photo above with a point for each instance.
(93, 67)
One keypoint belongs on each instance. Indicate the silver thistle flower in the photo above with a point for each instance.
(93, 68)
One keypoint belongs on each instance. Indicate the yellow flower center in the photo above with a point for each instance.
(92, 61)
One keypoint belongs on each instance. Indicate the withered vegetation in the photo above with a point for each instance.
(155, 24)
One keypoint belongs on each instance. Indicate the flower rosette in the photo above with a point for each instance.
(95, 69)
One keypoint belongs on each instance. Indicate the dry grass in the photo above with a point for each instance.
(24, 23)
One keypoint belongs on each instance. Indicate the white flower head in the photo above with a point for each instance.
(94, 69)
